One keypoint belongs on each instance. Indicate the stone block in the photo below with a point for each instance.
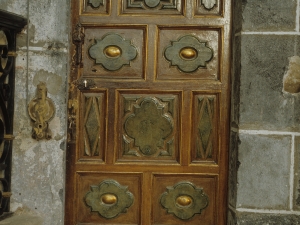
(264, 172)
(262, 102)
(297, 174)
(267, 219)
(269, 15)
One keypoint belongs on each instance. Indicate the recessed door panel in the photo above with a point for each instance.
(109, 198)
(115, 53)
(149, 125)
(188, 53)
(184, 199)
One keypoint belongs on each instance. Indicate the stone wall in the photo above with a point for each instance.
(268, 115)
(38, 166)
(265, 134)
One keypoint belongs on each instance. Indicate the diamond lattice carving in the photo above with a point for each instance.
(92, 126)
(205, 126)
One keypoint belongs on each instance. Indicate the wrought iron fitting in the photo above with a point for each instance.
(84, 84)
(78, 40)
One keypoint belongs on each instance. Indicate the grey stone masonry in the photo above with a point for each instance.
(262, 103)
(268, 219)
(269, 15)
(263, 174)
(269, 115)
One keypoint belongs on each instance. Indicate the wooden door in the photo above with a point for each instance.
(148, 112)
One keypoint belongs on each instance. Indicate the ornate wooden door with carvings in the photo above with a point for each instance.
(148, 112)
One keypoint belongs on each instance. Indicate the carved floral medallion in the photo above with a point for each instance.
(109, 199)
(209, 4)
(184, 200)
(149, 125)
(188, 53)
(95, 3)
(112, 52)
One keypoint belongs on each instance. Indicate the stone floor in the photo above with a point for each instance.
(22, 216)
(22, 220)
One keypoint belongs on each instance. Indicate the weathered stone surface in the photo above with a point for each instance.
(263, 174)
(39, 166)
(267, 219)
(237, 17)
(235, 80)
(18, 7)
(297, 174)
(262, 104)
(22, 216)
(233, 166)
(231, 218)
(291, 79)
(50, 21)
(269, 15)
(22, 220)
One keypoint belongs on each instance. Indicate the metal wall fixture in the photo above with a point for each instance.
(10, 25)
(41, 110)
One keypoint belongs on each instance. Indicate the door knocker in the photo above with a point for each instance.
(41, 110)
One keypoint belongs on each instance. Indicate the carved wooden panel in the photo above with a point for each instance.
(92, 123)
(101, 7)
(109, 198)
(115, 53)
(208, 7)
(205, 138)
(194, 54)
(166, 185)
(161, 69)
(149, 126)
(158, 7)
